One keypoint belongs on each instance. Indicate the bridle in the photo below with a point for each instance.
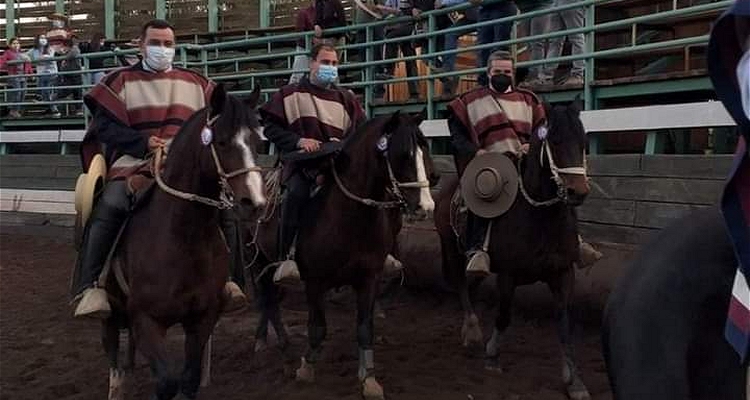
(562, 192)
(226, 194)
(395, 185)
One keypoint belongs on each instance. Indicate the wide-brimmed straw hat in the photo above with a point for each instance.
(489, 184)
(87, 186)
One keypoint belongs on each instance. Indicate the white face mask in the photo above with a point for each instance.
(159, 58)
(42, 41)
(743, 77)
(58, 24)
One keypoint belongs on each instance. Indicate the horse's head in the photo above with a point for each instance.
(236, 128)
(408, 159)
(563, 150)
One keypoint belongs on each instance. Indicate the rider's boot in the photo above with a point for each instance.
(105, 222)
(298, 192)
(478, 260)
(234, 297)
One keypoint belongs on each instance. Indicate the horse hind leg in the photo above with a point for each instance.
(150, 337)
(371, 389)
(270, 311)
(111, 343)
(562, 290)
(316, 331)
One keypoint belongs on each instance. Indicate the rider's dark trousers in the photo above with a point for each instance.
(476, 230)
(108, 215)
(296, 193)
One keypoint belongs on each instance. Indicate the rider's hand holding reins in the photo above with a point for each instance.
(308, 145)
(155, 142)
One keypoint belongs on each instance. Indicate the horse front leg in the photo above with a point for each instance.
(316, 330)
(562, 290)
(111, 343)
(196, 336)
(366, 293)
(505, 291)
(150, 338)
(270, 311)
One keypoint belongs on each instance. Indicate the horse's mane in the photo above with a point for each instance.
(186, 137)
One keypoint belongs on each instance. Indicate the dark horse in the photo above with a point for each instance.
(349, 228)
(172, 254)
(530, 242)
(663, 331)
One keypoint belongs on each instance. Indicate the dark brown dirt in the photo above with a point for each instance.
(45, 354)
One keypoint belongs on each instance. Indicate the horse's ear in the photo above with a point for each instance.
(420, 116)
(577, 105)
(252, 101)
(392, 123)
(218, 98)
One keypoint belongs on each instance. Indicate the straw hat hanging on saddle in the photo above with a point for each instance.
(489, 184)
(87, 186)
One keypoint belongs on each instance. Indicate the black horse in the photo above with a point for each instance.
(535, 240)
(663, 331)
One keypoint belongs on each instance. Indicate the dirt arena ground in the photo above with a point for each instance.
(45, 354)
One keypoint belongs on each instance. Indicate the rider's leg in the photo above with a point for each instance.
(231, 228)
(105, 222)
(297, 190)
(476, 233)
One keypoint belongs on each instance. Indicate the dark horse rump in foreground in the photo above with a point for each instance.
(172, 253)
(530, 242)
(348, 229)
(663, 332)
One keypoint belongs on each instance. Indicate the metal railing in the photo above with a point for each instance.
(209, 58)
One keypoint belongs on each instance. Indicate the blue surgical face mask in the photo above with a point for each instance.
(327, 74)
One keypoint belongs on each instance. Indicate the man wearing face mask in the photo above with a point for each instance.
(508, 117)
(500, 118)
(302, 117)
(136, 110)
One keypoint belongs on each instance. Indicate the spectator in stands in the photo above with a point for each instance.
(96, 45)
(17, 84)
(46, 71)
(329, 14)
(493, 33)
(565, 20)
(59, 33)
(458, 19)
(367, 11)
(400, 30)
(537, 26)
(305, 22)
(71, 63)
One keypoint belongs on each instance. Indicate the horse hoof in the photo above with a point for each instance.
(305, 373)
(116, 385)
(578, 391)
(493, 366)
(371, 389)
(471, 333)
(261, 345)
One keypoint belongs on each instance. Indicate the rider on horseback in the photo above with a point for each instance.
(137, 110)
(302, 117)
(498, 118)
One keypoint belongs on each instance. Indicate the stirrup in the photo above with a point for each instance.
(94, 304)
(479, 263)
(234, 299)
(392, 265)
(286, 272)
(588, 255)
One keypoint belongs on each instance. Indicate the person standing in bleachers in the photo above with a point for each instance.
(494, 32)
(17, 84)
(59, 34)
(565, 20)
(458, 19)
(400, 30)
(96, 45)
(329, 14)
(538, 25)
(71, 82)
(305, 22)
(46, 71)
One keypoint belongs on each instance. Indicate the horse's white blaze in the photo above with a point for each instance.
(253, 179)
(425, 198)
